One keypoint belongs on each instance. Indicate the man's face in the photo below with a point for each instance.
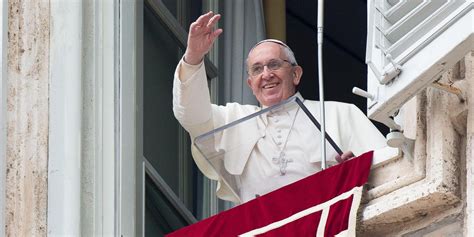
(272, 86)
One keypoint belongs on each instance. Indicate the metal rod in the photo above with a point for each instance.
(321, 81)
(316, 123)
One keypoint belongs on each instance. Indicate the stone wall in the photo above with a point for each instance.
(27, 118)
(431, 194)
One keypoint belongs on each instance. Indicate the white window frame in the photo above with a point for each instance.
(64, 159)
(418, 65)
(129, 163)
(110, 72)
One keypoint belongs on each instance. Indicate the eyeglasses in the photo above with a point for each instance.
(272, 65)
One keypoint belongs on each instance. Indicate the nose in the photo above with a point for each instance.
(267, 73)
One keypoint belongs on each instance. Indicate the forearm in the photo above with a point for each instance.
(191, 100)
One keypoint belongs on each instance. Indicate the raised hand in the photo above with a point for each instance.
(201, 37)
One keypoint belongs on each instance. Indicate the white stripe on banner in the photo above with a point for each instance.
(322, 222)
(356, 191)
(351, 228)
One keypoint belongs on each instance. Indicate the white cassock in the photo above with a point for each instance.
(254, 169)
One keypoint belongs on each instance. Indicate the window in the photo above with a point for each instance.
(174, 187)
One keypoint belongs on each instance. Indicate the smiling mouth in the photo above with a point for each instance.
(270, 85)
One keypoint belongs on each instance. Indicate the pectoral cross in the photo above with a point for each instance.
(282, 161)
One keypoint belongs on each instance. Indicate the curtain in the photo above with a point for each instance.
(243, 27)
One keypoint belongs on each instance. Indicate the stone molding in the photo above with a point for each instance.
(407, 196)
(27, 118)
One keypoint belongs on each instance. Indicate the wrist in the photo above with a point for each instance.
(192, 60)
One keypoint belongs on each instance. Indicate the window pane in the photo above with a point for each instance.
(160, 135)
(172, 6)
(160, 216)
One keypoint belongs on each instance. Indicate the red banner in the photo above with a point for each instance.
(323, 204)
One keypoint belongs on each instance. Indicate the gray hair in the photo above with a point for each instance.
(286, 50)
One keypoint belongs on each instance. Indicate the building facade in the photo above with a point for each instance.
(90, 147)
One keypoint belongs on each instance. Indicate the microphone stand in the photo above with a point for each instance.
(321, 82)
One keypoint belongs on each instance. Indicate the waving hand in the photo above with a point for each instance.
(201, 37)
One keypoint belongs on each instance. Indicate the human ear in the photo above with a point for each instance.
(297, 73)
(249, 83)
